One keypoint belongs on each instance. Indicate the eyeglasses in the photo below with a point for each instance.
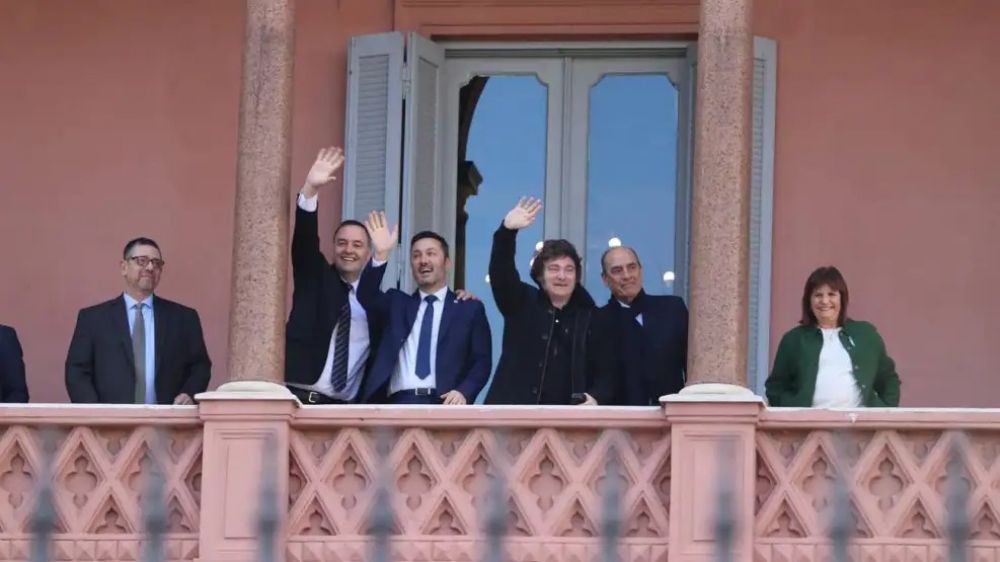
(143, 261)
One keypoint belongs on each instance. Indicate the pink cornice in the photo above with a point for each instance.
(517, 18)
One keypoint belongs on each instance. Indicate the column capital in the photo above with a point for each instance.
(711, 403)
(248, 400)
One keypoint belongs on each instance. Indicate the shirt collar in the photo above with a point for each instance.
(131, 302)
(440, 294)
(635, 302)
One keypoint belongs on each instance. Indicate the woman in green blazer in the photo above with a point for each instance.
(830, 361)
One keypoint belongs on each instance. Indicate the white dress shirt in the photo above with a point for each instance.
(358, 345)
(404, 376)
(150, 325)
(835, 384)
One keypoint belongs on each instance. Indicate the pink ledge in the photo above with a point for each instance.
(879, 418)
(595, 417)
(98, 414)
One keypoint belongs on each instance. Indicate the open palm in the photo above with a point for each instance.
(523, 214)
(383, 238)
(325, 168)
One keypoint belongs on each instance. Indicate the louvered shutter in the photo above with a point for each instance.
(421, 146)
(373, 130)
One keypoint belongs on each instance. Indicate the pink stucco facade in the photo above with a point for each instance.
(119, 119)
(885, 165)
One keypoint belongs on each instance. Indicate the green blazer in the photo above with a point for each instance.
(793, 379)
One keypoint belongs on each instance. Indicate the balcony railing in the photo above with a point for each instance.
(692, 481)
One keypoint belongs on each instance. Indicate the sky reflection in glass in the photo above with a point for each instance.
(632, 176)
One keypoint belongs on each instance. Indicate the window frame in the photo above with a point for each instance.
(565, 207)
(365, 187)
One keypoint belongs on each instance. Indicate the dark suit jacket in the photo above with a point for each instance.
(12, 385)
(463, 359)
(100, 367)
(651, 358)
(319, 294)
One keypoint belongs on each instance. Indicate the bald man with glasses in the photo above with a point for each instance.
(138, 348)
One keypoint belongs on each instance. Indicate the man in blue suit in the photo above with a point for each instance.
(651, 332)
(12, 385)
(435, 348)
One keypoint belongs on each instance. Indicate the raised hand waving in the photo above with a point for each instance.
(523, 214)
(383, 239)
(324, 170)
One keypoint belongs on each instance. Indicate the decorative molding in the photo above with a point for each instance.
(603, 417)
(896, 483)
(16, 548)
(910, 419)
(519, 18)
(433, 548)
(440, 476)
(99, 475)
(544, 3)
(125, 415)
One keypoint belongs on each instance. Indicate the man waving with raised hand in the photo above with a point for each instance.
(436, 345)
(328, 338)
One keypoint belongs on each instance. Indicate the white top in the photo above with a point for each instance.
(835, 384)
(358, 345)
(404, 376)
(149, 323)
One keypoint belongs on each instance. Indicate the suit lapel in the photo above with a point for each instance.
(119, 323)
(412, 306)
(161, 324)
(447, 313)
(650, 320)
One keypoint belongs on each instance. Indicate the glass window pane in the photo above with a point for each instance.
(501, 158)
(632, 176)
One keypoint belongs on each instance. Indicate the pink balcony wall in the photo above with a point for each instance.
(101, 463)
(440, 462)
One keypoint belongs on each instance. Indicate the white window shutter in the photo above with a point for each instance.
(373, 130)
(422, 207)
(765, 66)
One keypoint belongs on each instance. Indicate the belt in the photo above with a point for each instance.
(312, 397)
(416, 392)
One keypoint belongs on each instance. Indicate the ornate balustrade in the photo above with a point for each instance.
(101, 460)
(438, 464)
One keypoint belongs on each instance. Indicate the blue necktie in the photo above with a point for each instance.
(424, 346)
(342, 343)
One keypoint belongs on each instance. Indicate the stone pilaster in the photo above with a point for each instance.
(721, 195)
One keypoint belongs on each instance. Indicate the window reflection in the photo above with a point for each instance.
(632, 177)
(502, 143)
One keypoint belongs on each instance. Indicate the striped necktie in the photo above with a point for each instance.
(341, 344)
